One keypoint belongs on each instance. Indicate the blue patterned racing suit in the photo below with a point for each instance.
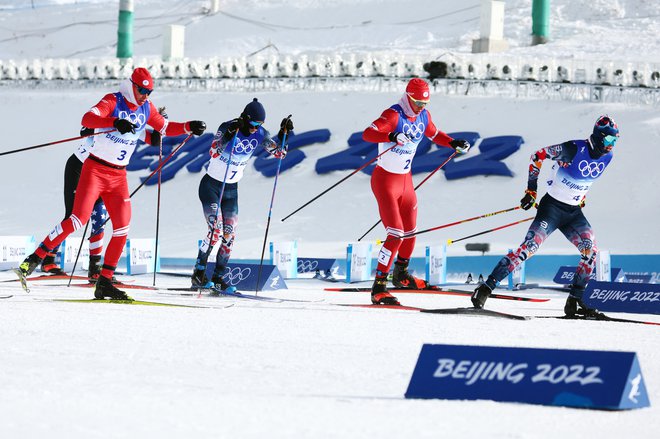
(573, 172)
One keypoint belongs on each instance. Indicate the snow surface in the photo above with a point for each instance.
(295, 369)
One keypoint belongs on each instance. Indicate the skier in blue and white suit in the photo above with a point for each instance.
(233, 145)
(578, 163)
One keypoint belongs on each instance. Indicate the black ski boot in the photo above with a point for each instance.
(575, 308)
(480, 295)
(401, 278)
(380, 295)
(105, 288)
(49, 266)
(29, 264)
(94, 270)
(199, 279)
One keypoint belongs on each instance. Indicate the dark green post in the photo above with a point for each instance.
(540, 21)
(125, 30)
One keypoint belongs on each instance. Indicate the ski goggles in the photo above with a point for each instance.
(142, 90)
(418, 104)
(255, 124)
(609, 140)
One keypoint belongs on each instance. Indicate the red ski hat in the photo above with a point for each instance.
(418, 90)
(142, 78)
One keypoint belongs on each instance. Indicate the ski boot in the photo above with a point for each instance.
(380, 295)
(575, 308)
(105, 288)
(401, 278)
(480, 295)
(29, 264)
(49, 266)
(220, 286)
(199, 279)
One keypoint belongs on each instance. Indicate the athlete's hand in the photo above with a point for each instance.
(583, 201)
(84, 131)
(528, 200)
(234, 125)
(156, 138)
(460, 146)
(286, 125)
(398, 138)
(124, 126)
(197, 127)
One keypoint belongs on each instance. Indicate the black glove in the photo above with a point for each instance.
(197, 127)
(398, 138)
(528, 200)
(156, 138)
(84, 131)
(286, 124)
(163, 112)
(234, 125)
(124, 126)
(460, 146)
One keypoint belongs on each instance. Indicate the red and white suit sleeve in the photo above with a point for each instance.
(379, 130)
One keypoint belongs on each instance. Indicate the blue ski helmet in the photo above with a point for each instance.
(605, 134)
(254, 113)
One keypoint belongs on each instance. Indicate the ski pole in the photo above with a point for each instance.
(416, 187)
(160, 174)
(54, 143)
(451, 241)
(270, 209)
(338, 183)
(78, 254)
(486, 215)
(160, 166)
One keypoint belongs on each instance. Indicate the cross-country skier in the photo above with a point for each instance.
(578, 163)
(233, 145)
(103, 174)
(72, 171)
(403, 126)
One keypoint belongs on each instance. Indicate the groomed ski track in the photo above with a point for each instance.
(165, 369)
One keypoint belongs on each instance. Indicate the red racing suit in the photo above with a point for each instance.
(391, 181)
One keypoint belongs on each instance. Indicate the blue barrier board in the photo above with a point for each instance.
(556, 377)
(565, 275)
(634, 298)
(244, 276)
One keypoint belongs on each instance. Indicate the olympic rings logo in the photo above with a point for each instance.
(138, 119)
(307, 266)
(413, 131)
(236, 275)
(245, 146)
(590, 169)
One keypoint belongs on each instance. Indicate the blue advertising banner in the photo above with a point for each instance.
(557, 377)
(565, 275)
(244, 276)
(312, 265)
(634, 298)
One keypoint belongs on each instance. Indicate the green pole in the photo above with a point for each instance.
(125, 30)
(540, 21)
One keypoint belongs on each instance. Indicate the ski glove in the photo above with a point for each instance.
(398, 138)
(84, 131)
(156, 138)
(197, 127)
(460, 146)
(124, 126)
(286, 125)
(528, 200)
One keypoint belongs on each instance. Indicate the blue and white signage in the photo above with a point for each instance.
(565, 275)
(244, 276)
(557, 377)
(634, 298)
(13, 249)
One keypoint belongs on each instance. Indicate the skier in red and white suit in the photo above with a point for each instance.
(401, 127)
(104, 171)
